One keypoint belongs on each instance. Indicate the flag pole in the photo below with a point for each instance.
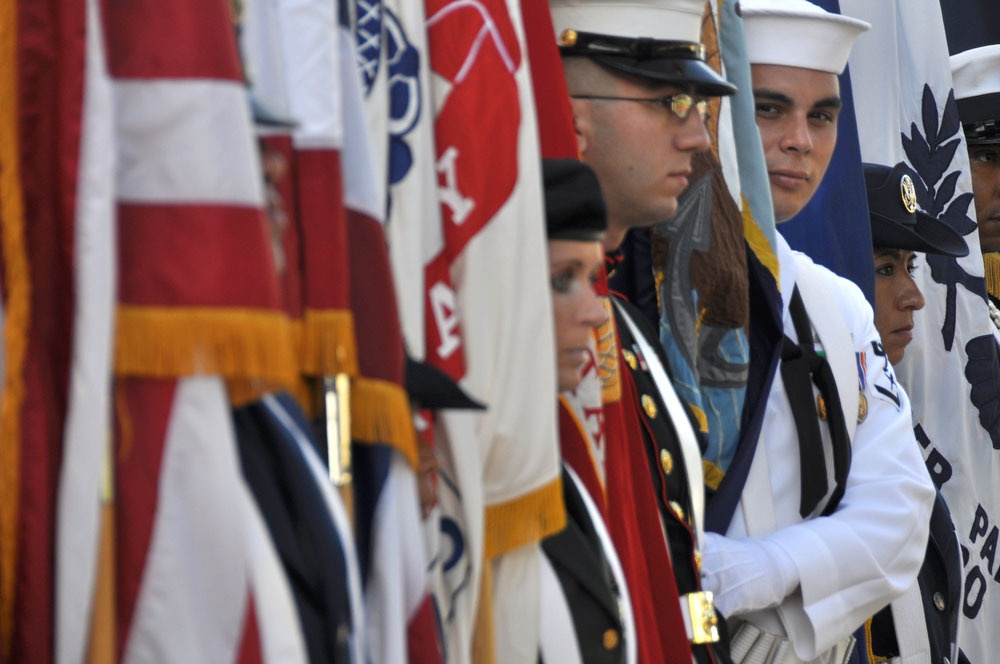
(337, 416)
(102, 644)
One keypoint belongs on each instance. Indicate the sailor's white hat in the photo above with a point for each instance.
(975, 74)
(797, 33)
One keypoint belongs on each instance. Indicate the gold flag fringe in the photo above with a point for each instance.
(991, 265)
(167, 342)
(17, 320)
(380, 413)
(524, 520)
(327, 343)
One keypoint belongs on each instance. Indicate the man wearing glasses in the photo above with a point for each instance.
(638, 84)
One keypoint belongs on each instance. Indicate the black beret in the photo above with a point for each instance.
(574, 206)
(896, 221)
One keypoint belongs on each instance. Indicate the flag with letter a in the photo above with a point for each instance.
(489, 324)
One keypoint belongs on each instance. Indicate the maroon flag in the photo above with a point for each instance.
(41, 77)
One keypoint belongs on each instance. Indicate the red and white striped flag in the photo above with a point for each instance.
(190, 553)
(310, 54)
(196, 577)
(197, 295)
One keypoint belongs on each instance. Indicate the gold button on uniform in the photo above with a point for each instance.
(821, 407)
(649, 406)
(697, 560)
(630, 358)
(939, 601)
(568, 38)
(610, 639)
(676, 507)
(667, 461)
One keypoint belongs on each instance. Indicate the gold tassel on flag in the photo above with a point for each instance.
(380, 413)
(17, 318)
(169, 342)
(991, 265)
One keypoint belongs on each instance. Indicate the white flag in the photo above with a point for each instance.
(950, 370)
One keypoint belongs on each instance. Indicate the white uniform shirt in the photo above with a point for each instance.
(868, 552)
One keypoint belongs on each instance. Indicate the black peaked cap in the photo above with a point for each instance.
(897, 223)
(574, 205)
(431, 388)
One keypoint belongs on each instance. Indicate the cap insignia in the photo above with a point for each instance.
(908, 193)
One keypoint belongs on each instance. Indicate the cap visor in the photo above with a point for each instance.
(983, 141)
(679, 71)
(264, 116)
(433, 389)
(928, 235)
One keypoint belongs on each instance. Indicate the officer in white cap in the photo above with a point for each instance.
(637, 70)
(639, 88)
(833, 516)
(976, 77)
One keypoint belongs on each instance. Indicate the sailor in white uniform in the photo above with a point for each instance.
(833, 517)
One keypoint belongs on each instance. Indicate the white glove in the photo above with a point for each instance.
(746, 574)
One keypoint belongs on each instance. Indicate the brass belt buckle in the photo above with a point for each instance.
(704, 622)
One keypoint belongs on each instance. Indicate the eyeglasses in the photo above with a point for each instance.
(679, 104)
